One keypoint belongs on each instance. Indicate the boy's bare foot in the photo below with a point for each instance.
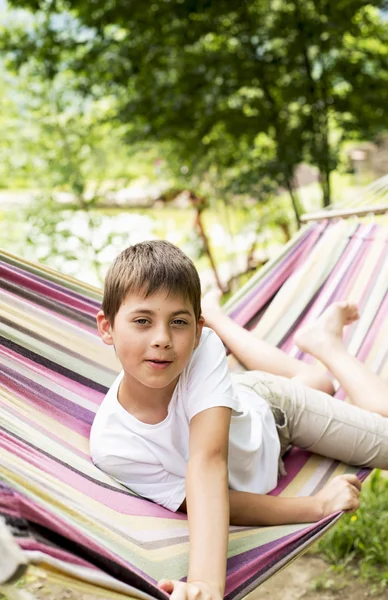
(211, 308)
(326, 333)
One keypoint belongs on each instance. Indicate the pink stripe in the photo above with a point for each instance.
(43, 289)
(115, 499)
(48, 409)
(258, 563)
(61, 380)
(49, 434)
(31, 545)
(90, 329)
(39, 515)
(373, 330)
(344, 287)
(294, 463)
(253, 565)
(259, 300)
(282, 271)
(344, 284)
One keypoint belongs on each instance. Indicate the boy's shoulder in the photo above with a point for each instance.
(209, 342)
(209, 353)
(106, 415)
(110, 399)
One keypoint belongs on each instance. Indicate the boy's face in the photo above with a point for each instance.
(154, 338)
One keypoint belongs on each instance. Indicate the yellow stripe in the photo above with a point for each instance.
(48, 577)
(77, 340)
(60, 277)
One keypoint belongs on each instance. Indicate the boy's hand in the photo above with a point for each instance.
(195, 590)
(341, 493)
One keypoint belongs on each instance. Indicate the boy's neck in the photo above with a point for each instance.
(148, 405)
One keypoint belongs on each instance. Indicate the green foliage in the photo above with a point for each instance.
(13, 158)
(79, 151)
(252, 87)
(360, 541)
(55, 139)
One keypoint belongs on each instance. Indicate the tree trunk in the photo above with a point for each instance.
(198, 206)
(324, 179)
(286, 230)
(294, 200)
(318, 97)
(325, 166)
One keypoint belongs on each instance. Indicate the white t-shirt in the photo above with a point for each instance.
(151, 460)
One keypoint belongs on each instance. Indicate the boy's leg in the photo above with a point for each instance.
(313, 420)
(317, 422)
(255, 354)
(323, 339)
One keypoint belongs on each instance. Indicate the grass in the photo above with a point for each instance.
(359, 543)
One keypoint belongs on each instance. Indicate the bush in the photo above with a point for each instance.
(360, 540)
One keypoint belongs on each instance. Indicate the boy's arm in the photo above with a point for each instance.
(207, 503)
(340, 494)
(247, 509)
(207, 497)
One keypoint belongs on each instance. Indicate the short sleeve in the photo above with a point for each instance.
(209, 383)
(150, 481)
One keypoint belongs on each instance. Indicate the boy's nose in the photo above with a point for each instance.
(161, 345)
(162, 340)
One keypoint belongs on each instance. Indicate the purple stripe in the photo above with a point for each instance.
(52, 283)
(272, 274)
(77, 319)
(44, 400)
(269, 285)
(84, 546)
(75, 387)
(58, 368)
(122, 501)
(375, 327)
(293, 463)
(335, 294)
(45, 290)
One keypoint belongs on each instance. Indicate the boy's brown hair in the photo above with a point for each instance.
(147, 268)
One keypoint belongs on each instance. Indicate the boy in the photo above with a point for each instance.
(177, 429)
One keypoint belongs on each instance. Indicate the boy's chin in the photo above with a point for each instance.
(162, 383)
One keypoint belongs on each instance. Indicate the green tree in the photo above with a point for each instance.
(224, 81)
(70, 153)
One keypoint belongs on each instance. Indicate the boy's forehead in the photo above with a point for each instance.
(163, 299)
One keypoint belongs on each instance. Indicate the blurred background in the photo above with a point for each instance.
(213, 124)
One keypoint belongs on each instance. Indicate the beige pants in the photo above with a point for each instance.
(316, 421)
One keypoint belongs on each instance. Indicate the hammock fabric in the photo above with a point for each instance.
(54, 371)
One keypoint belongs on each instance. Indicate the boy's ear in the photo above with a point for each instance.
(104, 328)
(200, 324)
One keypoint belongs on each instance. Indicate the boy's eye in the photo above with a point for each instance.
(179, 322)
(141, 321)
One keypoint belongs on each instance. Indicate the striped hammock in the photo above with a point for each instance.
(68, 516)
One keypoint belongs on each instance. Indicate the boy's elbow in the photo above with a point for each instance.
(210, 459)
(207, 473)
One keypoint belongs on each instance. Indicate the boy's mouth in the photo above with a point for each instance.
(158, 364)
